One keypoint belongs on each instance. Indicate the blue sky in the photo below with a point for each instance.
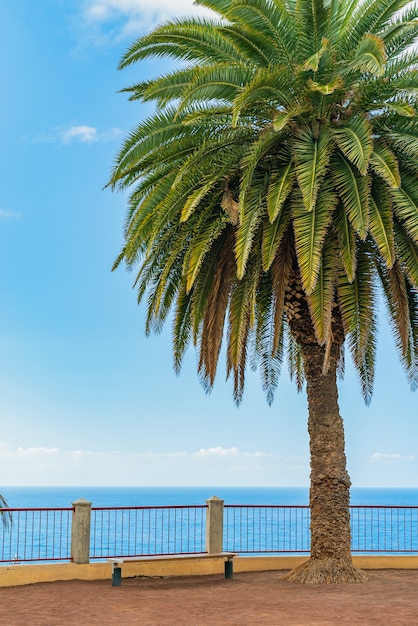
(85, 398)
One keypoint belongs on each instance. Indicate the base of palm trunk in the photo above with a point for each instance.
(316, 571)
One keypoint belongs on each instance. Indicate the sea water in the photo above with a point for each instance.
(18, 497)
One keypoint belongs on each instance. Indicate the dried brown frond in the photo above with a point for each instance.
(230, 206)
(281, 270)
(400, 303)
(214, 319)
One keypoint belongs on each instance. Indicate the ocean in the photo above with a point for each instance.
(20, 497)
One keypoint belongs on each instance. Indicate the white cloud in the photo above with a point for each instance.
(79, 133)
(133, 17)
(228, 452)
(36, 452)
(206, 467)
(218, 451)
(85, 134)
(6, 214)
(379, 456)
(103, 10)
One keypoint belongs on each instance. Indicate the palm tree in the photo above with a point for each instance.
(5, 515)
(274, 195)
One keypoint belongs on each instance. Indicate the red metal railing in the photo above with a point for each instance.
(146, 530)
(250, 529)
(36, 534)
(388, 529)
(259, 529)
(44, 534)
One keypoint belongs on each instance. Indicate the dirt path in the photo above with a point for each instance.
(253, 599)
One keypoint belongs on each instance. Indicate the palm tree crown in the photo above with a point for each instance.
(278, 171)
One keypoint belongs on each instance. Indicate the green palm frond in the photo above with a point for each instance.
(270, 19)
(310, 229)
(221, 82)
(311, 156)
(371, 17)
(312, 63)
(405, 204)
(186, 40)
(269, 88)
(252, 46)
(312, 23)
(356, 300)
(280, 187)
(347, 242)
(381, 222)
(354, 193)
(252, 199)
(384, 163)
(401, 33)
(252, 210)
(321, 297)
(161, 129)
(163, 89)
(206, 232)
(387, 10)
(219, 6)
(272, 236)
(182, 327)
(369, 57)
(356, 142)
(405, 142)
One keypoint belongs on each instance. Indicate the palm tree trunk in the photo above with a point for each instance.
(330, 559)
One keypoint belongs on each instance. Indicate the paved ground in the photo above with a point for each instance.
(253, 599)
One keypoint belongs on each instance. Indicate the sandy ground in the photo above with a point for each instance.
(255, 598)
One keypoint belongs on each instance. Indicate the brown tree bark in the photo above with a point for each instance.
(330, 559)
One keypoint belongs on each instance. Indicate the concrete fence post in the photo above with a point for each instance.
(214, 525)
(80, 531)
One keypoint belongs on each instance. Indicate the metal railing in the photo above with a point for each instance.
(258, 529)
(36, 534)
(46, 534)
(146, 530)
(266, 528)
(388, 529)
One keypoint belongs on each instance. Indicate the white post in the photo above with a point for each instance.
(80, 531)
(214, 525)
